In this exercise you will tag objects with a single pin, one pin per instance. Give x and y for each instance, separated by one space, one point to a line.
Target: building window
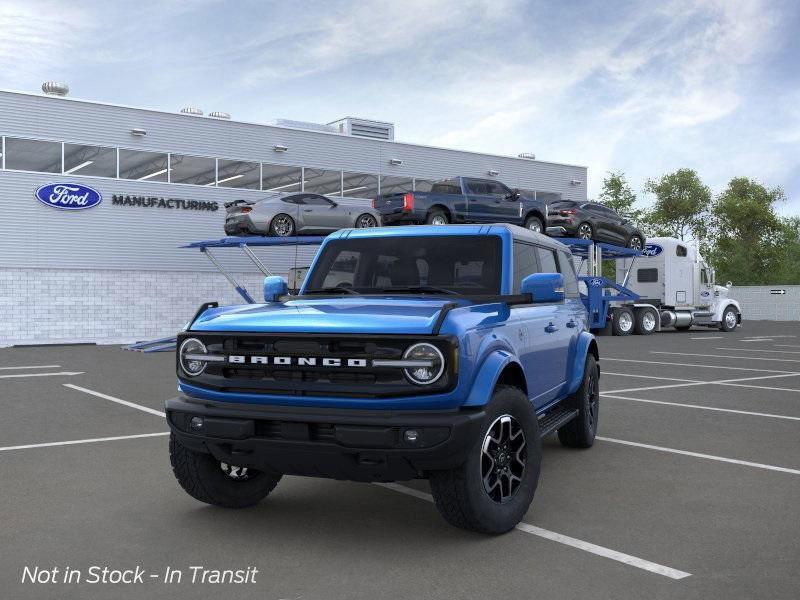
396 185
423 185
238 174
143 166
33 155
320 181
196 170
98 161
359 185
279 178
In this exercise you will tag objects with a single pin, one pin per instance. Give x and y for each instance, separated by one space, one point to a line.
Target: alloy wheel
730 319
625 321
234 472
503 458
594 401
438 220
648 321
635 243
365 221
282 226
585 231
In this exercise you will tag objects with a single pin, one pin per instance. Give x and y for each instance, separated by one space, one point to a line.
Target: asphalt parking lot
691 491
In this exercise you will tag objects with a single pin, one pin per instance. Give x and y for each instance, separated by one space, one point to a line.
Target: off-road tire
202 477
437 214
276 220
641 325
580 432
459 493
622 321
724 326
534 220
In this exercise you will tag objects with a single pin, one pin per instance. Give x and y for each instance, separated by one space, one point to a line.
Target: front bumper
351 444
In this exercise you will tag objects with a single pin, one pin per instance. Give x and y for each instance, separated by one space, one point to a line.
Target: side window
568 271
316 200
497 189
547 260
647 275
680 250
294 199
477 187
525 263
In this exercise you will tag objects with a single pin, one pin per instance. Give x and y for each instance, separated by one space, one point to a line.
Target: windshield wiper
430 289
334 290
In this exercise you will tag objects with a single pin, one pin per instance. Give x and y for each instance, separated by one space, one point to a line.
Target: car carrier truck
666 285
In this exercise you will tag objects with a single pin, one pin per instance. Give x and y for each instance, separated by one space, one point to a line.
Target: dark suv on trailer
593 221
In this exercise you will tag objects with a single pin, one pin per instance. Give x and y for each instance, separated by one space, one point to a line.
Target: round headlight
432 368
188 356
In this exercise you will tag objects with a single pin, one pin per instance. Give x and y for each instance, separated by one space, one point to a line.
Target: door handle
551 328
307 210
571 323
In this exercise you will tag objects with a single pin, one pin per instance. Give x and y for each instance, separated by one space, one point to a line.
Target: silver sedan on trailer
284 215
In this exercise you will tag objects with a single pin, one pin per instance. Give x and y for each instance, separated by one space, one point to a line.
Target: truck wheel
645 321
437 217
580 432
534 224
206 479
622 321
729 320
492 490
282 225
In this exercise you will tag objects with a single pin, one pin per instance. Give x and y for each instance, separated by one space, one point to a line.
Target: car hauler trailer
666 285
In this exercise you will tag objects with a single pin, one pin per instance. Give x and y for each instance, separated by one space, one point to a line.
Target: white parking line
759 350
756 340
674 364
86 441
627 559
146 409
31 367
692 382
787 346
700 455
713 408
708 337
20 375
604 373
727 356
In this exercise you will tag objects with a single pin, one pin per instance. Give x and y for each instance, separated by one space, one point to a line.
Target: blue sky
641 87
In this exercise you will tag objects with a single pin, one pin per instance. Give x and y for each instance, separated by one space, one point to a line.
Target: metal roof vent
219 115
375 130
53 88
191 110
527 155
303 125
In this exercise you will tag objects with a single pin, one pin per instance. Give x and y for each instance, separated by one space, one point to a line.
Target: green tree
751 244
681 206
618 195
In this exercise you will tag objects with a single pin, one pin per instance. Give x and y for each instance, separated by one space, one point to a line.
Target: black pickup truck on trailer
464 200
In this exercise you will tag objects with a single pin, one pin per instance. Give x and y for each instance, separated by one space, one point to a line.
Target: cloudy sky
642 87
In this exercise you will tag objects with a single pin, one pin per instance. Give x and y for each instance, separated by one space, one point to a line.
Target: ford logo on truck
652 250
68 196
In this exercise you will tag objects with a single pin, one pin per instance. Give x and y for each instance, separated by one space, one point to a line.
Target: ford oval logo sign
652 250
68 196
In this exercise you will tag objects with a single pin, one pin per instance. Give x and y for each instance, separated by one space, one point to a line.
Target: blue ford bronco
436 352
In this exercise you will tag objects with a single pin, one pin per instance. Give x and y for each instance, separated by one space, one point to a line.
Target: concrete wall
759 304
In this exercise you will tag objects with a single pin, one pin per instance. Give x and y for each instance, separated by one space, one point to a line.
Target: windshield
451 264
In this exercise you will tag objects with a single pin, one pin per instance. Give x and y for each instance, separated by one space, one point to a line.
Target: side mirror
334 204
274 288
514 195
544 287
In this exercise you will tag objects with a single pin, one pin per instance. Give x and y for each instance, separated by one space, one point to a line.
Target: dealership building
115 271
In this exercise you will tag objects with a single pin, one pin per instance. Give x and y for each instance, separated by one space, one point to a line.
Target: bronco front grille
315 379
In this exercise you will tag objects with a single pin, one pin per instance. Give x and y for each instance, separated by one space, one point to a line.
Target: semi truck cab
672 276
